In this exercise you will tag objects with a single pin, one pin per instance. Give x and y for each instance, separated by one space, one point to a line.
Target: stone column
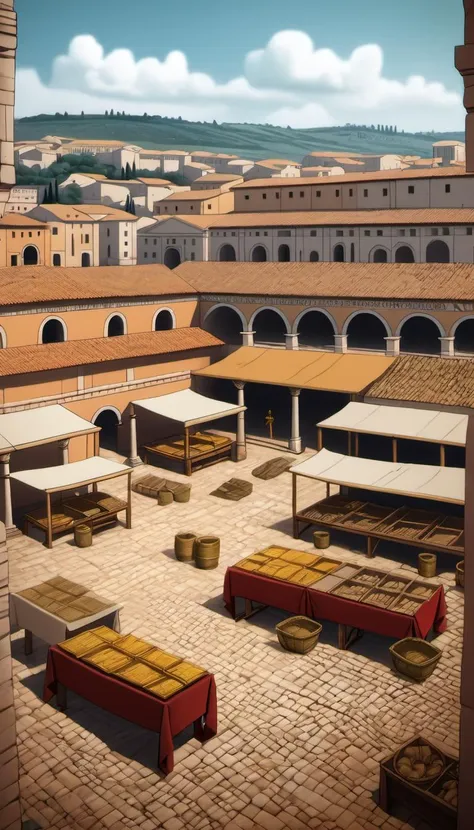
295 440
8 42
392 346
447 346
247 338
7 493
340 343
291 341
134 459
64 447
241 446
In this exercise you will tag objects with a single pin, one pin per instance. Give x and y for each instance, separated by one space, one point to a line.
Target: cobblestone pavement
299 737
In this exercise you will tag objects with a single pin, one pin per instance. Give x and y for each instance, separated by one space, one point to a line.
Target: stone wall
8 41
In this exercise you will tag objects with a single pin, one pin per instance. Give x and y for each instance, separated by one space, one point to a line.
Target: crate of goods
381 599
406 604
415 658
394 583
298 634
419 762
350 590
369 577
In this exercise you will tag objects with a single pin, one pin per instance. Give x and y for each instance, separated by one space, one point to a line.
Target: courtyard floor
299 738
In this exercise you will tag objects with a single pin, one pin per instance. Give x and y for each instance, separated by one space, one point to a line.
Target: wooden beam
129 500
96 443
394 449
442 455
320 439
356 442
187 460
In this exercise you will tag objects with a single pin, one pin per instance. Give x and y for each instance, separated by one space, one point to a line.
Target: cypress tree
127 203
50 193
134 170
56 191
123 173
128 171
132 206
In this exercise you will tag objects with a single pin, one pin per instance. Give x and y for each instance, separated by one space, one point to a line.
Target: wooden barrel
83 536
165 497
427 564
321 539
460 573
184 546
206 552
182 493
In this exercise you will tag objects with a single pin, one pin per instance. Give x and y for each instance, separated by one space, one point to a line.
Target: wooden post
96 443
95 487
294 505
356 442
394 449
49 531
349 443
187 460
328 489
320 439
129 500
442 455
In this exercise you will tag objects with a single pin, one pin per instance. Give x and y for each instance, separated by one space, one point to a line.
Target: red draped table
196 704
321 605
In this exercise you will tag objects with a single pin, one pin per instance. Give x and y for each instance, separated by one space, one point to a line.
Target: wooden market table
94 509
192 450
196 704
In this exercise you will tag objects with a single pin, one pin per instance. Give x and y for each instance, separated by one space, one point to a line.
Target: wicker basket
165 497
321 539
427 564
418 781
83 536
184 546
408 668
182 493
206 552
298 634
460 573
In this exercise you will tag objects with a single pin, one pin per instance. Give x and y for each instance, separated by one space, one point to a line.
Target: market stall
94 509
189 409
396 422
431 530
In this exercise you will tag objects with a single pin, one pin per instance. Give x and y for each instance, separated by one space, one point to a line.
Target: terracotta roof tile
442 381
219 177
197 195
25 359
20 221
152 181
419 281
348 178
42 283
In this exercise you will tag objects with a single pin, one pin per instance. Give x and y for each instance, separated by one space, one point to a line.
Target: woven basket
206 552
321 539
182 494
460 573
165 497
427 564
83 536
184 546
298 634
406 667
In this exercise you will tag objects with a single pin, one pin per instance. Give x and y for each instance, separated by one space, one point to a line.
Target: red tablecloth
168 717
320 605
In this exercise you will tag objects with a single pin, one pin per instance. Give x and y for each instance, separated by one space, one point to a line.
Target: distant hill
246 140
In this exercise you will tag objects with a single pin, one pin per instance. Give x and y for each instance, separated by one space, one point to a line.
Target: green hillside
246 140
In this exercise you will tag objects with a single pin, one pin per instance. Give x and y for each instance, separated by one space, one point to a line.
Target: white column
392 346
7 492
295 440
64 447
340 343
247 338
241 447
134 460
447 346
292 341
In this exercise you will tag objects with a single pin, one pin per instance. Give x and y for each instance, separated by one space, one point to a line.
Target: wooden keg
206 552
83 536
165 497
321 539
460 573
427 564
184 546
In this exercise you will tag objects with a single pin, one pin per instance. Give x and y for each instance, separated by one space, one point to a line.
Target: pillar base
240 453
392 347
11 531
447 346
295 445
340 343
291 341
248 338
134 461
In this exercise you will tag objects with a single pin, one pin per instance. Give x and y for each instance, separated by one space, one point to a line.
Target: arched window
226 324
269 327
464 337
56 259
338 254
30 255
115 326
283 253
437 251
421 335
164 320
366 331
259 254
315 330
53 331
380 255
172 258
404 254
227 253
314 256
85 259
108 420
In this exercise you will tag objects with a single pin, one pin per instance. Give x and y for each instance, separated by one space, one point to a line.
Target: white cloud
287 82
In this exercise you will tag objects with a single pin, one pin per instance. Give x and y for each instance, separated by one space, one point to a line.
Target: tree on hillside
56 191
72 195
128 171
111 113
65 115
127 203
122 173
106 113
134 170
82 113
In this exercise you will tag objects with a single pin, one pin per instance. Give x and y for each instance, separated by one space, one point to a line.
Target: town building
24 241
219 161
449 152
353 162
195 202
36 157
195 170
321 170
23 198
220 181
272 168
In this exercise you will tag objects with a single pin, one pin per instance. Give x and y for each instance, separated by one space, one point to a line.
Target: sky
306 63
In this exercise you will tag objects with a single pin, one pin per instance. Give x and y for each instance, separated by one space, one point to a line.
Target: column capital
392 346
239 384
294 392
340 343
292 341
64 443
447 346
5 459
247 338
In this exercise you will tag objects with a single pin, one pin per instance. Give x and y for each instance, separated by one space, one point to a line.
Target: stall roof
416 480
188 407
325 371
68 476
42 425
401 422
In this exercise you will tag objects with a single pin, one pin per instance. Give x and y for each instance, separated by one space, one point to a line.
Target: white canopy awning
418 480
188 408
19 430
68 476
401 422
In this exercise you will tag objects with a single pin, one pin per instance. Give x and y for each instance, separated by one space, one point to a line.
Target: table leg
28 641
341 636
347 636
370 547
61 697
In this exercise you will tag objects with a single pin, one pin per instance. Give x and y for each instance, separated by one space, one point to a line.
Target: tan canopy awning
188 407
324 371
42 425
69 476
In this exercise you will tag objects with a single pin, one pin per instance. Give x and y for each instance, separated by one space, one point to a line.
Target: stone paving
299 738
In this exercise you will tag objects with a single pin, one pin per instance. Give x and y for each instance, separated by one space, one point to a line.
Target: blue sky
415 37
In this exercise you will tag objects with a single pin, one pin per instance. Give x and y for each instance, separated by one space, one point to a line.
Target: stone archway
437 251
108 420
366 331
315 330
227 253
172 258
226 324
420 335
284 253
30 255
269 326
404 254
339 254
259 254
